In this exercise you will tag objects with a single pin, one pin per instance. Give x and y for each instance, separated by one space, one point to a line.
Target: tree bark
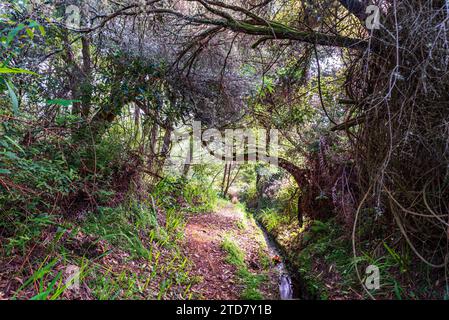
86 81
165 148
254 26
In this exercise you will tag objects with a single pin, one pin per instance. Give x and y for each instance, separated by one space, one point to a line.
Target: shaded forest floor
136 252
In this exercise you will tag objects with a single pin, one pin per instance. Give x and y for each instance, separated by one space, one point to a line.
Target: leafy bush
192 195
272 220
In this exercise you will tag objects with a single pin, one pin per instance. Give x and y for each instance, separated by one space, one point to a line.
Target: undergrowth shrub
193 195
39 176
130 224
272 220
33 178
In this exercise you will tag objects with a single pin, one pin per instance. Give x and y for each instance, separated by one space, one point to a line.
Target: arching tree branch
254 25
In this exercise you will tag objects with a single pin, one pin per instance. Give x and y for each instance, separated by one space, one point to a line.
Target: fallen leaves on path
216 277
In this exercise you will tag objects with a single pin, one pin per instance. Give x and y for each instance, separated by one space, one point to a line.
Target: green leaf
15 144
10 155
30 33
397 291
4 171
35 25
13 33
40 273
4 144
15 71
42 295
42 30
13 97
62 102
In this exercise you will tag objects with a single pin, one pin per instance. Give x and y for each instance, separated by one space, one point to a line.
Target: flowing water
288 286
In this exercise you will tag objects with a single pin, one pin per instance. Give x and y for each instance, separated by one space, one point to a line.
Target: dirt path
216 278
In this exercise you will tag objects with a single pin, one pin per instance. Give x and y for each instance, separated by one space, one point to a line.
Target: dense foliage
91 116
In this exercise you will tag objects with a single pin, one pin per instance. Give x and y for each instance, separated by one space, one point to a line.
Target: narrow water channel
288 286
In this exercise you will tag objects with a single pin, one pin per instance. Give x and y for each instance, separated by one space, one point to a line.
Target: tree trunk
86 80
224 179
165 149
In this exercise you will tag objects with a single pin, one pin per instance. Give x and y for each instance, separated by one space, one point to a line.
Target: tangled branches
402 142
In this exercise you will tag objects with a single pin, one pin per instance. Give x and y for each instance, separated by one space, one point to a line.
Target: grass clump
235 256
272 220
250 281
